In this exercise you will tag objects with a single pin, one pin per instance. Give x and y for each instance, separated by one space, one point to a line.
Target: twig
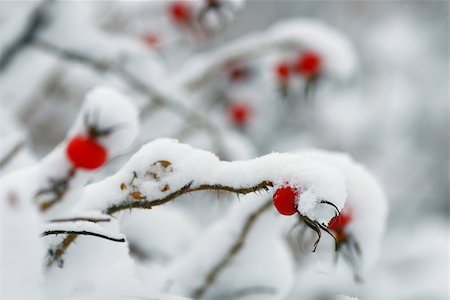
129 204
82 232
12 153
232 252
34 23
75 219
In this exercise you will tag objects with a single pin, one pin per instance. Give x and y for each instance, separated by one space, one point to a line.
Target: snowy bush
162 150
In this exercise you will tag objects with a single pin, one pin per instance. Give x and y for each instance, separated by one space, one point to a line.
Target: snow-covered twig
232 252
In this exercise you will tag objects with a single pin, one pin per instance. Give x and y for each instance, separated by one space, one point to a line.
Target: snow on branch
81 228
105 127
336 50
165 169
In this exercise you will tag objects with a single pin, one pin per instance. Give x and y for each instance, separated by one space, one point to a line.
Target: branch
129 204
75 219
11 153
34 22
232 252
82 232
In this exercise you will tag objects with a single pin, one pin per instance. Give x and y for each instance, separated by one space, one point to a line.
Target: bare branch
82 232
12 153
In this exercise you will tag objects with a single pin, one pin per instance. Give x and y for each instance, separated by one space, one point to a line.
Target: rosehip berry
180 11
238 73
309 64
282 71
86 153
339 223
151 40
239 113
284 200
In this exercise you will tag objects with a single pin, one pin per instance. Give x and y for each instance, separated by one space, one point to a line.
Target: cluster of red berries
307 64
86 153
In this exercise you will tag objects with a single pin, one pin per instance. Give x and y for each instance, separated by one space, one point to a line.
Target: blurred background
390 114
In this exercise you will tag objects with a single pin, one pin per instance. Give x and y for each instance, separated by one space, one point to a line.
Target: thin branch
232 252
129 204
11 153
82 232
34 22
61 249
75 219
58 189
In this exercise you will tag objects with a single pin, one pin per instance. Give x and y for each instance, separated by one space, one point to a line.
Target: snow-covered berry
282 71
285 200
309 64
180 11
239 113
86 153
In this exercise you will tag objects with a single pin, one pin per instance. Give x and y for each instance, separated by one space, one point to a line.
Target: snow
260 251
367 202
107 108
198 167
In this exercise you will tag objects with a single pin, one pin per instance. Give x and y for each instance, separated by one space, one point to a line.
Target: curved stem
82 232
232 252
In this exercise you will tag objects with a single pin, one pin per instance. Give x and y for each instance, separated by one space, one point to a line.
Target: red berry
309 64
238 73
284 200
180 11
239 113
339 223
282 71
151 40
86 153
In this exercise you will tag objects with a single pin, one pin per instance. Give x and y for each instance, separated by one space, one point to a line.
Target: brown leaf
137 195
